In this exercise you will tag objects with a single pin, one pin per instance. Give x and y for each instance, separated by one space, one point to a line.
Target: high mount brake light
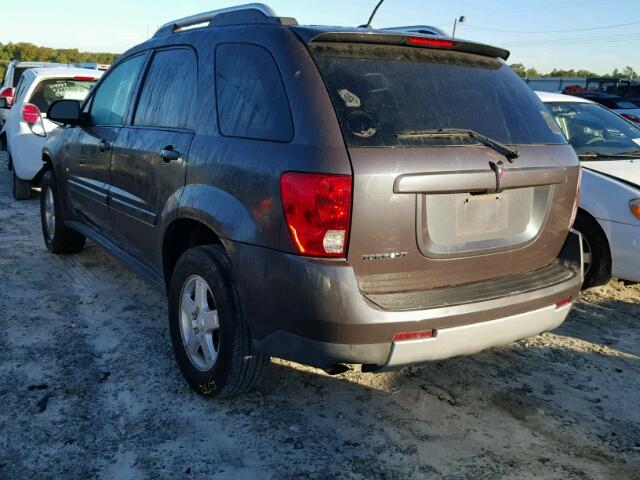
430 42
80 78
317 208
633 118
31 113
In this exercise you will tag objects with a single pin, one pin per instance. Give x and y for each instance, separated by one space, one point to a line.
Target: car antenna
373 14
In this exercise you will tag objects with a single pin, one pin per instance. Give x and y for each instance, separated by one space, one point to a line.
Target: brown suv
326 195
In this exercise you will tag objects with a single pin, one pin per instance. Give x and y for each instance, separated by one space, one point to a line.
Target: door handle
168 154
104 146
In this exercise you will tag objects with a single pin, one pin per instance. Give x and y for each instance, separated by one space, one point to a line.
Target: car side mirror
66 111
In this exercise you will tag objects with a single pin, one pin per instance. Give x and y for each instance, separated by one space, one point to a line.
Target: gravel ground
89 389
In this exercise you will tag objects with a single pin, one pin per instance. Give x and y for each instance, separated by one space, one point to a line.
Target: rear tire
57 236
596 250
21 188
209 334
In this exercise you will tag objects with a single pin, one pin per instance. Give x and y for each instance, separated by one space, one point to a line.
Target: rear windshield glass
386 95
51 90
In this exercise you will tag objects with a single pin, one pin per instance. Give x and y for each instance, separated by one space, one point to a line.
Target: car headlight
634 206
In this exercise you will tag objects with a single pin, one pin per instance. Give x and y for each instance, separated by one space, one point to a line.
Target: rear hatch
438 209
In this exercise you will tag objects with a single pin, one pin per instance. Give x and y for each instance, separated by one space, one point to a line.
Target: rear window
53 89
381 92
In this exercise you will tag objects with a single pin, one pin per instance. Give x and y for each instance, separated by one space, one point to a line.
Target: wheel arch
593 221
180 235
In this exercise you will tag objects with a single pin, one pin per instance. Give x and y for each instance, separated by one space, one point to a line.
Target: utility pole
462 19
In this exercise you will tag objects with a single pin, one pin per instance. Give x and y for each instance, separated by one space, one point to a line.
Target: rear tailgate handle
446 182
478 180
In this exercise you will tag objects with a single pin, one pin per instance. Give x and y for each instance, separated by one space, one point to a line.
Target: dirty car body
431 244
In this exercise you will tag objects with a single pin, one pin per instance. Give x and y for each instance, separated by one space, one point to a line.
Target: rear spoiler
313 35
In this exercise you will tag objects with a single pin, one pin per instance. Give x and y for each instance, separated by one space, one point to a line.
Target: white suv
27 126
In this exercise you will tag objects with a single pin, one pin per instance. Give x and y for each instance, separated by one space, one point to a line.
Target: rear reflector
563 302
30 113
430 42
317 208
84 79
403 337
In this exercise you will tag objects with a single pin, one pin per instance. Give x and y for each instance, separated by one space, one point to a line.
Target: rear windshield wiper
635 155
499 147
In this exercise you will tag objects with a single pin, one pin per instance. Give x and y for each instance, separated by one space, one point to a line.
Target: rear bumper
473 338
312 312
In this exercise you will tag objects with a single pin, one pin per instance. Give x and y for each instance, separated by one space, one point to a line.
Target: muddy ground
89 389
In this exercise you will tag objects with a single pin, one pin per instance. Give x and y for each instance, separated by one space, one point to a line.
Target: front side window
167 98
110 102
251 98
53 89
592 130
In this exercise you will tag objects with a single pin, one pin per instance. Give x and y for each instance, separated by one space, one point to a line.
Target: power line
603 27
577 42
569 40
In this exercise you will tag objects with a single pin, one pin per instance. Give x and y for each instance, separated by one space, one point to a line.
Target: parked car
609 213
302 192
618 104
9 83
28 127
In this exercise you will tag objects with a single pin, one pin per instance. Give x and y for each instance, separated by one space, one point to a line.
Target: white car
609 215
12 75
27 126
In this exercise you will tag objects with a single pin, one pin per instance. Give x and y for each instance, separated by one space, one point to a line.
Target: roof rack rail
238 15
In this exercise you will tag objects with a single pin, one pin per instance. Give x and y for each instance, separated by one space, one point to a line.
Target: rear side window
53 89
112 96
168 95
252 102
17 75
386 95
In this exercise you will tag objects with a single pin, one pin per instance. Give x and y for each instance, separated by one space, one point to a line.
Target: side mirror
66 111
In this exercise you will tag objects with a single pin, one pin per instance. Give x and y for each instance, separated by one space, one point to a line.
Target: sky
544 34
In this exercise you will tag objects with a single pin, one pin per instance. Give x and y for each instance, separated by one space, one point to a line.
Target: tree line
520 69
30 52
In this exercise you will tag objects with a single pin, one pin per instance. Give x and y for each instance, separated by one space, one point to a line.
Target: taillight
8 94
633 118
430 42
576 201
317 208
30 113
634 206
